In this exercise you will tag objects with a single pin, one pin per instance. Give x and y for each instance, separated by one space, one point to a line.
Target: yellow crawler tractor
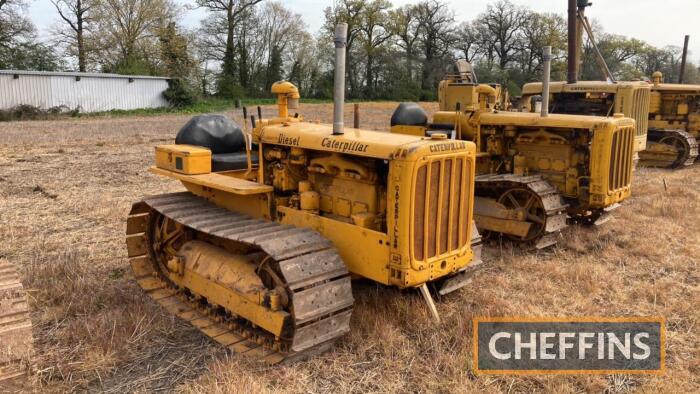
15 331
663 113
595 98
260 250
533 170
674 124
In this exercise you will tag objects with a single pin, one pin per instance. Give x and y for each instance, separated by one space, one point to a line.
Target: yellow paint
547 153
631 98
184 159
254 205
217 181
286 93
359 190
228 280
506 226
354 142
418 131
363 250
526 143
671 108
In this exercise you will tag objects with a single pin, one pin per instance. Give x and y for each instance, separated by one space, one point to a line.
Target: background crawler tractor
259 252
667 116
674 124
532 169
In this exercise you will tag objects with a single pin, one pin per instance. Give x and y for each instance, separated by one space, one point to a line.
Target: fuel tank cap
438 136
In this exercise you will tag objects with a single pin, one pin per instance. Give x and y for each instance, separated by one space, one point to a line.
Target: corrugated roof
77 74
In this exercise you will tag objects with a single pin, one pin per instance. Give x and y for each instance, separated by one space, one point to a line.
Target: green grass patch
202 106
207 105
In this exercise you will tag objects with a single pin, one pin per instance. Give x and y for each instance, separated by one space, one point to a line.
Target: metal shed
89 92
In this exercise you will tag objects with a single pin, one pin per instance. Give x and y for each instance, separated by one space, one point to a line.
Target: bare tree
404 25
504 22
279 27
468 41
538 31
128 31
14 25
436 23
228 15
374 33
305 65
76 14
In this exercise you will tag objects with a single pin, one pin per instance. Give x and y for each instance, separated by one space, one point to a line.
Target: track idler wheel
225 281
528 202
670 149
680 145
270 292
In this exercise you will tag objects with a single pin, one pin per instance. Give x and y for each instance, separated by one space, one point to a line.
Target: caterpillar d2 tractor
664 119
532 170
591 98
16 342
596 98
674 124
260 250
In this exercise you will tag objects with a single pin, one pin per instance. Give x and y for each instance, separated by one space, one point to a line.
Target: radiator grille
621 159
441 207
640 110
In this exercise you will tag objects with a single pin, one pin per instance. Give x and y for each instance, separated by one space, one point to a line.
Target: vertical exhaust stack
341 38
573 51
684 59
547 57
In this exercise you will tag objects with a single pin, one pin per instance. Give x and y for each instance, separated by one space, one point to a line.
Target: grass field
66 187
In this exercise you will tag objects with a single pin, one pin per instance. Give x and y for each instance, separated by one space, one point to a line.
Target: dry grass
66 187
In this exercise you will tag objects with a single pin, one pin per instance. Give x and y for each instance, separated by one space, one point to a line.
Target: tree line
243 46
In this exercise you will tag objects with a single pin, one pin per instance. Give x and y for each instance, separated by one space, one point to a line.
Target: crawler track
683 143
315 276
552 208
15 330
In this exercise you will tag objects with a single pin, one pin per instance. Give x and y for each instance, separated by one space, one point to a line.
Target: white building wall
92 93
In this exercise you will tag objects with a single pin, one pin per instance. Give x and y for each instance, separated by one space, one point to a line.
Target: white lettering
531 346
614 342
583 344
563 344
544 346
601 346
492 346
638 343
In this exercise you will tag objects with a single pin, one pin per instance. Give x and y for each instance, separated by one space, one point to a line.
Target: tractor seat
223 137
231 161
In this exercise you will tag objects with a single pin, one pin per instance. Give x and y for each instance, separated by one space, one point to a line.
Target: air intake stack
547 70
341 36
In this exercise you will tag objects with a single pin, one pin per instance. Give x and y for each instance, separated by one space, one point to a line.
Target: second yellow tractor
533 170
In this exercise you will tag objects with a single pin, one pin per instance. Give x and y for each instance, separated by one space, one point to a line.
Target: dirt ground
66 187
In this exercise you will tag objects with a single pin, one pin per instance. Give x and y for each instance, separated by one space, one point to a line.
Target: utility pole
684 59
572 59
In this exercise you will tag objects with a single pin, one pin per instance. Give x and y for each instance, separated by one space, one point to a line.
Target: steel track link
692 149
16 341
311 266
552 201
690 145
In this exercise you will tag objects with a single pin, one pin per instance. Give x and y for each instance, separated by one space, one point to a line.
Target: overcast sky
634 18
